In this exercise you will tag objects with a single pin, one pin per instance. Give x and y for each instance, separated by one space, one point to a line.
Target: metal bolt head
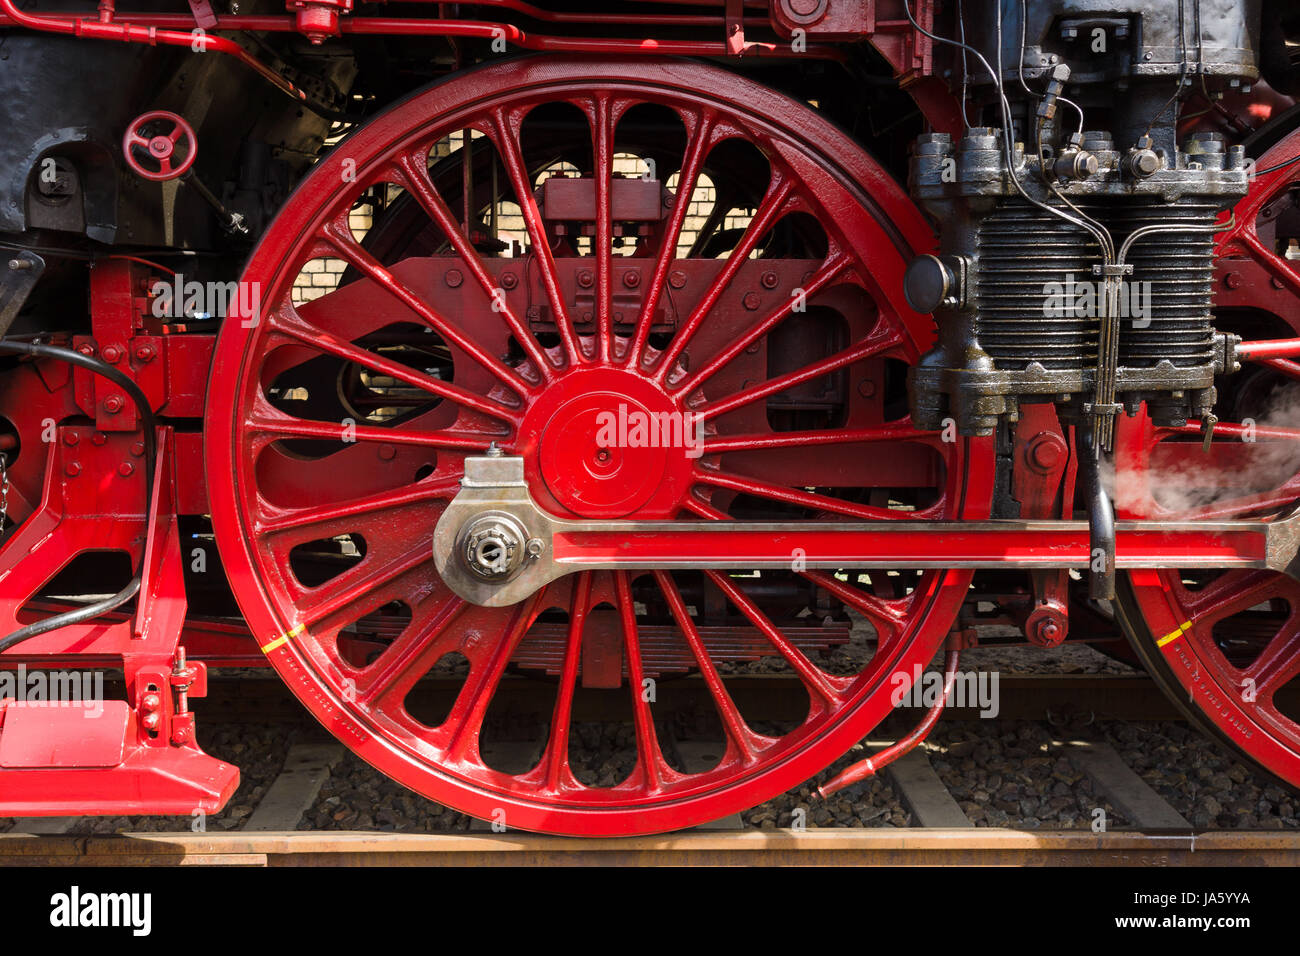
509 280
752 301
126 469
453 278
586 279
145 353
677 278
769 280
114 404
112 354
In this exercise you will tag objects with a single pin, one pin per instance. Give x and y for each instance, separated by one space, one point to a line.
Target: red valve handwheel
159 148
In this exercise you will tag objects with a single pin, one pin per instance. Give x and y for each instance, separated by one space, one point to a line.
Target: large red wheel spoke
650 757
773 204
830 270
358 587
1278 663
875 344
558 773
340 238
806 499
503 130
413 172
888 617
700 139
746 743
286 426
1278 267
288 321
466 717
825 689
602 117
1230 593
347 512
391 676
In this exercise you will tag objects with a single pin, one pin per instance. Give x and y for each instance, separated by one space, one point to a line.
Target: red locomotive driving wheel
555 240
1228 643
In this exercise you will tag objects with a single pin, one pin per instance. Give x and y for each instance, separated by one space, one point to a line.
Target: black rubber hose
148 422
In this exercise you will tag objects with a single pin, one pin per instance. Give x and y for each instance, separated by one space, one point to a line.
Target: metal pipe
1101 520
104 27
872 765
165 29
1268 348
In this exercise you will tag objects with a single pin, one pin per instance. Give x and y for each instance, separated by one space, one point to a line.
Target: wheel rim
540 402
1229 642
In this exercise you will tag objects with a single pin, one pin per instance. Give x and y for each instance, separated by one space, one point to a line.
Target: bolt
1232 280
126 469
769 280
453 278
1275 282
535 547
20 265
677 278
145 353
86 349
114 404
1049 632
1045 453
509 280
112 354
866 388
71 438
150 701
72 469
150 721
631 279
98 438
387 452
585 279
137 449
752 301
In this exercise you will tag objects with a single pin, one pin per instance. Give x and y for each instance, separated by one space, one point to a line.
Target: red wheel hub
337 430
609 444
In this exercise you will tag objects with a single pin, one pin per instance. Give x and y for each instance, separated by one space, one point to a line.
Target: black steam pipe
1101 518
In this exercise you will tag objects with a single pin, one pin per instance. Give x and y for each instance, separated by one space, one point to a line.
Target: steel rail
813 847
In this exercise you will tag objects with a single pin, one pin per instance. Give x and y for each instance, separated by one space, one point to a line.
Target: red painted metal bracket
93 756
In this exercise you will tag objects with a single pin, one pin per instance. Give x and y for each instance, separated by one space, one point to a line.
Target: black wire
1281 165
148 423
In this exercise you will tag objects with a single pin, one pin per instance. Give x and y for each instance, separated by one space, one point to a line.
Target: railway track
1136 825
905 847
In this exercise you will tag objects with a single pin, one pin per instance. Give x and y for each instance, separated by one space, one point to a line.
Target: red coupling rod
872 765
